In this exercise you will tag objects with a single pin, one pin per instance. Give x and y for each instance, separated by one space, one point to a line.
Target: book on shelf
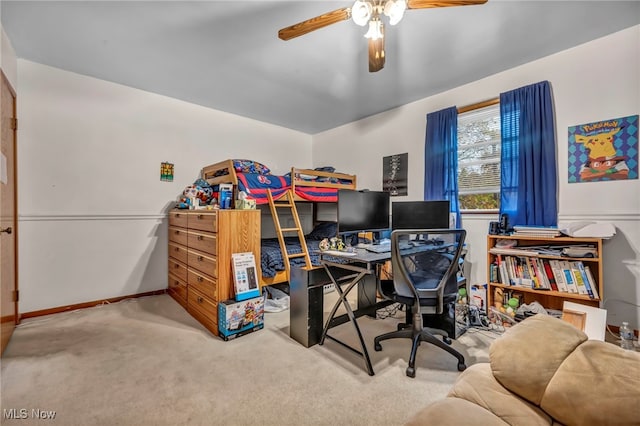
579 279
558 275
585 278
504 276
549 273
568 277
592 282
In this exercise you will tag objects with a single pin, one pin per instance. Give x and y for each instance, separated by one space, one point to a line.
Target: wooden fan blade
316 23
376 54
426 4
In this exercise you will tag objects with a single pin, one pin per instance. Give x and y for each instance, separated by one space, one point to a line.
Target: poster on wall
394 174
604 150
166 172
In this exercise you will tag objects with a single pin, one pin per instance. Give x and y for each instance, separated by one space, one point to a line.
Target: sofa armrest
455 411
478 386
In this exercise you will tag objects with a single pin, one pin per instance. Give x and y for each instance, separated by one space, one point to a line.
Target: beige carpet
147 362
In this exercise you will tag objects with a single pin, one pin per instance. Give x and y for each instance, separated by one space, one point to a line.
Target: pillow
326 169
249 166
323 230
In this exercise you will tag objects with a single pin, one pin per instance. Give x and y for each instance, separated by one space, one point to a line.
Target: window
479 159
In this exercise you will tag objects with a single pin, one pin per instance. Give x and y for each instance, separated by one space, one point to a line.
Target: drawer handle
200 217
176 232
176 266
177 249
200 279
200 258
200 238
200 299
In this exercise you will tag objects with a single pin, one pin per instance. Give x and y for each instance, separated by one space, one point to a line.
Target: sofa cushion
598 384
527 356
454 411
478 386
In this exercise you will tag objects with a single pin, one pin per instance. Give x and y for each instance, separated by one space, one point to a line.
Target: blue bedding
271 256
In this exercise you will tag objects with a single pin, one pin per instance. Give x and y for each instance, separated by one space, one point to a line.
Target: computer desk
361 264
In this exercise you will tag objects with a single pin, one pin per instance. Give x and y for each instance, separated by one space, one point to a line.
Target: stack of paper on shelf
588 229
536 231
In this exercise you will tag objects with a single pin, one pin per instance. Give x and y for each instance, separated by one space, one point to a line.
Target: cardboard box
246 204
236 319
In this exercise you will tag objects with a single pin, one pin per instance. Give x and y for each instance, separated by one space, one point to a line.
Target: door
8 216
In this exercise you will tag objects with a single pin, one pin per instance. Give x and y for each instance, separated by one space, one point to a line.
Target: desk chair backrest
425 265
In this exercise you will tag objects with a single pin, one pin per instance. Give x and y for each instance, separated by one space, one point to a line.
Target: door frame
14 178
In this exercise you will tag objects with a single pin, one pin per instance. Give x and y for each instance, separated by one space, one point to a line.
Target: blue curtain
528 159
441 159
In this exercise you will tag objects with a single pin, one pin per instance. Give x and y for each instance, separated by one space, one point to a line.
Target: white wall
91 204
8 61
595 81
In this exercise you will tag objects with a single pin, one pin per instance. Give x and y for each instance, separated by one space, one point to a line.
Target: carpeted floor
148 362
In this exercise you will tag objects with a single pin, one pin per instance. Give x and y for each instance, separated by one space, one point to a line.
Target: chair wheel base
411 372
461 366
377 347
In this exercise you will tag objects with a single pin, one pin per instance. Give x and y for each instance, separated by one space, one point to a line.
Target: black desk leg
352 318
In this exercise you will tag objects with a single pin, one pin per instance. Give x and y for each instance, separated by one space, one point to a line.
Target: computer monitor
360 211
420 214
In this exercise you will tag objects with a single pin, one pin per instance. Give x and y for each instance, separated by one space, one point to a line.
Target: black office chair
425 278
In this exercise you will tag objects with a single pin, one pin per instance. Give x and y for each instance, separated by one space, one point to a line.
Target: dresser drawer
178 218
203 309
204 221
178 235
178 269
204 284
202 241
203 262
178 290
178 252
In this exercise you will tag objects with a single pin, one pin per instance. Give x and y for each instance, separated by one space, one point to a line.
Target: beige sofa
543 371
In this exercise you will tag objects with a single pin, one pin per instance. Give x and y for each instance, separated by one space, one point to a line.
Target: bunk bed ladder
286 201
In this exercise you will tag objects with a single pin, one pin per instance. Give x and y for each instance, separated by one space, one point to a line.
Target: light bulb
394 10
375 30
361 12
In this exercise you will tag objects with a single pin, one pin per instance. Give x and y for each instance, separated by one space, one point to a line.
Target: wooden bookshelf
550 299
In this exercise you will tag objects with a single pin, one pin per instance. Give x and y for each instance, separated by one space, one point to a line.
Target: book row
564 276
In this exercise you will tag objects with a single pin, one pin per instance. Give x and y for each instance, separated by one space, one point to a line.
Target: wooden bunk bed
300 185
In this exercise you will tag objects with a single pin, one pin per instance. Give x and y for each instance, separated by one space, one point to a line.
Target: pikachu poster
604 150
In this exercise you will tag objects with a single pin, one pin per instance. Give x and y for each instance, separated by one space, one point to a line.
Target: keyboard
379 248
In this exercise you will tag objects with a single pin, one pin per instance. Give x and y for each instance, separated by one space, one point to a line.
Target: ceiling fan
365 12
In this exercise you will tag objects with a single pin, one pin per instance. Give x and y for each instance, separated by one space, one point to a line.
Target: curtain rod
478 105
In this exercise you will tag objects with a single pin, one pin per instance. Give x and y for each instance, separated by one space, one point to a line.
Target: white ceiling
226 54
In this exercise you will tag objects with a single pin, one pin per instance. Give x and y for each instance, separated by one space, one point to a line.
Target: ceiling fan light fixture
394 10
375 30
361 12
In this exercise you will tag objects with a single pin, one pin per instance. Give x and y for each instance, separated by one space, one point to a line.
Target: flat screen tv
420 215
360 211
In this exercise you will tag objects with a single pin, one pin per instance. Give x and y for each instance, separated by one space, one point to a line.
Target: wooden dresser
201 243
